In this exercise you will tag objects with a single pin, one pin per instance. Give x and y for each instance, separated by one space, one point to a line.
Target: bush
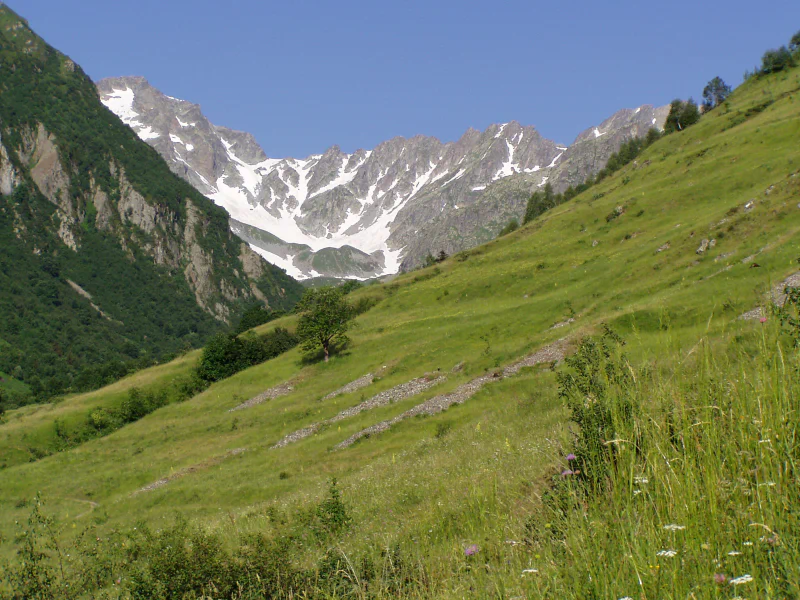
512 226
226 354
681 115
595 392
774 61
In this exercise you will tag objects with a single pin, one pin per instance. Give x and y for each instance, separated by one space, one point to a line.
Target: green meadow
702 466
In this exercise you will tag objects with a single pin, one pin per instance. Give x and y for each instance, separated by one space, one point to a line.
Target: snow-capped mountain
372 212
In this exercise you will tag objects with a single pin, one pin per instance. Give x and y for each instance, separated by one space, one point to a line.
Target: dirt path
395 394
92 505
462 393
189 470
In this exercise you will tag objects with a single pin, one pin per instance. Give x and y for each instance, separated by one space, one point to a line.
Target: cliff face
106 254
57 136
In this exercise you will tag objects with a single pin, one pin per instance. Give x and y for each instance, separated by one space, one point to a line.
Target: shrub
774 61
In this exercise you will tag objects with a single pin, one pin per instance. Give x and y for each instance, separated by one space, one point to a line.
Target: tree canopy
715 93
325 317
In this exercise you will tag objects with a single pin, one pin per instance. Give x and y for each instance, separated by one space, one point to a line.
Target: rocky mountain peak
389 206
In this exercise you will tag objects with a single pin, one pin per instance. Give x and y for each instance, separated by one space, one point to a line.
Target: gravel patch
462 393
777 296
188 470
359 383
395 394
270 394
548 354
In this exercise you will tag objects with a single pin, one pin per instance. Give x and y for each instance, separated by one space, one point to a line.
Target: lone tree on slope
715 93
324 320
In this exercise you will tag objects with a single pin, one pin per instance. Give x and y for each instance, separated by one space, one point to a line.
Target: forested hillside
107 257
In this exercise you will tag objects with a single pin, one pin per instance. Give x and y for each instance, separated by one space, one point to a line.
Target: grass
476 474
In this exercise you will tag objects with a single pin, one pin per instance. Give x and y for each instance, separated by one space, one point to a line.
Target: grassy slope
486 308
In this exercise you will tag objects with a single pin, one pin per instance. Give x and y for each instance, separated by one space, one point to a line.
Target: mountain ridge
394 203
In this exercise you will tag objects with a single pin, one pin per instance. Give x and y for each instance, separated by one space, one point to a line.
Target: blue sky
302 76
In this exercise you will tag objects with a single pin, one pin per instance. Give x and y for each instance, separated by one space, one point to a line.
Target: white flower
666 553
640 480
637 492
674 527
734 553
742 579
626 598
530 571
748 544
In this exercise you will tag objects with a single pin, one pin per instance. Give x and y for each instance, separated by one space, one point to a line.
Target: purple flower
763 319
570 456
720 578
566 472
471 549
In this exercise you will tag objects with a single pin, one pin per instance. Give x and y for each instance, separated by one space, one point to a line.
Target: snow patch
597 133
287 264
478 188
553 164
500 132
454 177
175 139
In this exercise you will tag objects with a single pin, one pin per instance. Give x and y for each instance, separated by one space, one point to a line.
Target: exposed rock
663 247
395 394
462 393
703 246
189 470
383 209
9 176
270 394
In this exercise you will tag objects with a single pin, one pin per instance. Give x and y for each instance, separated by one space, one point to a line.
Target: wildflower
763 320
626 598
748 544
637 492
666 553
640 480
720 578
471 549
734 553
567 472
571 456
674 527
741 579
524 571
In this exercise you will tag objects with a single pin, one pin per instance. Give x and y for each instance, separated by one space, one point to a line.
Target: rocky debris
460 366
548 354
724 256
704 245
270 394
88 296
594 243
430 407
663 247
462 393
390 396
751 315
750 205
188 470
777 296
563 323
359 383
